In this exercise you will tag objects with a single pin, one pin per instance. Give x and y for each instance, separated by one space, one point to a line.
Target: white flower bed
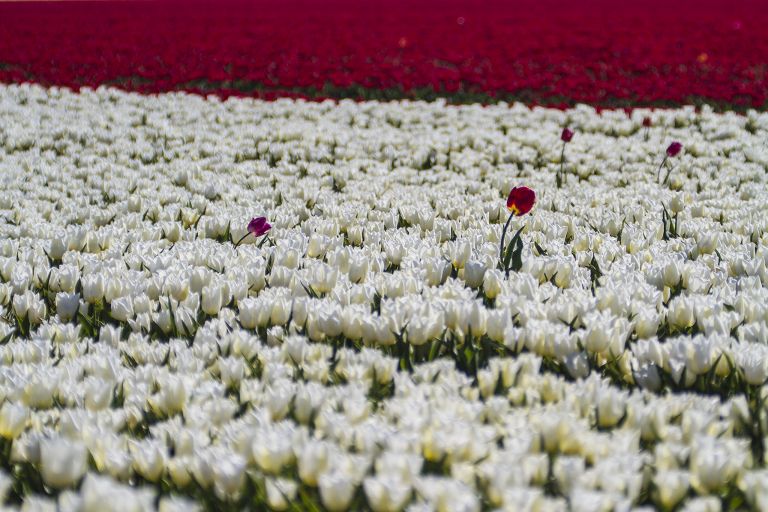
371 354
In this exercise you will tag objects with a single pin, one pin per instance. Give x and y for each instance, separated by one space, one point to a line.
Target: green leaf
511 248
434 350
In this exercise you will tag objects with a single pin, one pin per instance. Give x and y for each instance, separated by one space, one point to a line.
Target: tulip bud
674 148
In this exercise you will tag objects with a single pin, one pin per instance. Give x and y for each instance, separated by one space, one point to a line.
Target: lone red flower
567 135
647 123
259 226
520 200
674 149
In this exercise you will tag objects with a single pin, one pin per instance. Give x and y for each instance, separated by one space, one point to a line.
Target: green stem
503 235
241 239
562 162
658 173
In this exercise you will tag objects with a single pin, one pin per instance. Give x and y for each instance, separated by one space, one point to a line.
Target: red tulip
259 226
647 123
674 149
520 200
567 135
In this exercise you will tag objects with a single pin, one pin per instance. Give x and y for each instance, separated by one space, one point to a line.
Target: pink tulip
259 226
674 149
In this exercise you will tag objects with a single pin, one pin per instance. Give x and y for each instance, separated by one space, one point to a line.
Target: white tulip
22 304
102 493
63 462
148 460
312 461
386 493
177 504
67 305
681 314
336 490
474 273
229 476
121 309
212 300
13 419
280 492
93 288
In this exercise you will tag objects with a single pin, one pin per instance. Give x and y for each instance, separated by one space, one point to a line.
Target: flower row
593 52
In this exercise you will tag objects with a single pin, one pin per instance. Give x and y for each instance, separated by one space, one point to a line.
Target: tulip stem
241 239
658 173
666 177
562 163
503 235
237 244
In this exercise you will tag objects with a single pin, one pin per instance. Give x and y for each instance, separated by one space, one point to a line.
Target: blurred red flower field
605 53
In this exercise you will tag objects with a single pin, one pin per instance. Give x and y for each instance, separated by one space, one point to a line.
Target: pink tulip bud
674 149
259 226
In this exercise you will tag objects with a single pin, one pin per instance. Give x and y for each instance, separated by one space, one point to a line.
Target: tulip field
366 347
400 265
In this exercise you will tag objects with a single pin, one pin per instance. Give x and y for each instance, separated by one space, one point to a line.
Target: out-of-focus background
606 53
